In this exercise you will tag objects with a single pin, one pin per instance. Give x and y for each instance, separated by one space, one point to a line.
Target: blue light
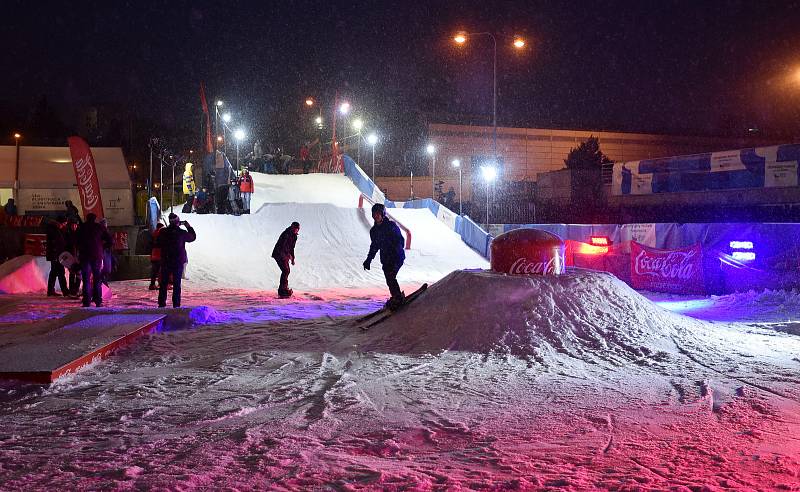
743 255
741 244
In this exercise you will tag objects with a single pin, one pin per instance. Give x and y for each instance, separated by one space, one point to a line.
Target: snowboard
67 260
372 319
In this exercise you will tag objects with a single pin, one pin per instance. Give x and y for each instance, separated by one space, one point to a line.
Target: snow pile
334 240
584 314
24 275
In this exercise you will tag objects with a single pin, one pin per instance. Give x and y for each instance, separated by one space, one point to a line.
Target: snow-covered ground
485 382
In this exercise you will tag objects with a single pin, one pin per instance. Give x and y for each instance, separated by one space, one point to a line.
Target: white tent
46 180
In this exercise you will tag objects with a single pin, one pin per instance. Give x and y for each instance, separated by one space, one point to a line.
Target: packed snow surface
332 245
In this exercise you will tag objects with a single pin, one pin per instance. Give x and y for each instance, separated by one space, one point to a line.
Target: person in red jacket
246 188
155 257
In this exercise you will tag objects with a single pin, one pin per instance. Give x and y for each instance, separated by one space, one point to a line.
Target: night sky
677 67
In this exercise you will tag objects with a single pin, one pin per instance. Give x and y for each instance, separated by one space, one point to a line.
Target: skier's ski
380 315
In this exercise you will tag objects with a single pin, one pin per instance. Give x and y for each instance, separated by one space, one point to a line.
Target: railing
362 198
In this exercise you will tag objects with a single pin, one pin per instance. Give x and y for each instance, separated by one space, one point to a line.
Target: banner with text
86 176
678 271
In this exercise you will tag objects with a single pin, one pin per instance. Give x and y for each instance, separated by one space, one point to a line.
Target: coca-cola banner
678 271
86 176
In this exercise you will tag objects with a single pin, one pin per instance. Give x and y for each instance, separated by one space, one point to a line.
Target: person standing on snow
172 241
155 257
189 188
56 244
283 252
386 238
92 241
246 188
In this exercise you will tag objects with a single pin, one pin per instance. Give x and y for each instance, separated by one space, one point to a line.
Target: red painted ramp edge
47 377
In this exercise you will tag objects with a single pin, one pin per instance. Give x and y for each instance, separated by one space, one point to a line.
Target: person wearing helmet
385 237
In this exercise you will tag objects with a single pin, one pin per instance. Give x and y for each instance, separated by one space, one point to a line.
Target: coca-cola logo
522 266
84 170
673 265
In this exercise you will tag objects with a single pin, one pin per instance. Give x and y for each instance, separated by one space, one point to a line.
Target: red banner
208 143
86 176
678 271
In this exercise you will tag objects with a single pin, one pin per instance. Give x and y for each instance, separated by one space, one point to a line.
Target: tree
587 155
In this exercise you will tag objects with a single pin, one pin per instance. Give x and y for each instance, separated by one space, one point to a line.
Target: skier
283 252
386 238
92 239
172 241
246 189
189 188
56 244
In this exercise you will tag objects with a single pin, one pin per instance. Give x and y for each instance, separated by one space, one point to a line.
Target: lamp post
489 175
457 165
372 139
239 136
358 124
519 43
17 136
226 118
217 105
432 152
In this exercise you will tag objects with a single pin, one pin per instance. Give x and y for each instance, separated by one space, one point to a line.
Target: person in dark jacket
283 252
72 211
56 244
10 208
385 237
71 235
155 257
93 239
172 242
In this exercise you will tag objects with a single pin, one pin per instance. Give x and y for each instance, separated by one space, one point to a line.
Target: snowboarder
172 241
246 189
386 238
56 244
92 240
283 252
189 188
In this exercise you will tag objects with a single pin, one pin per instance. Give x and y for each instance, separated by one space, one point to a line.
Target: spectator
56 244
201 202
172 241
155 257
108 255
246 188
71 235
189 188
10 208
92 241
72 211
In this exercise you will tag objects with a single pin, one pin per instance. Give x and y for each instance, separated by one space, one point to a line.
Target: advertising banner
679 271
86 176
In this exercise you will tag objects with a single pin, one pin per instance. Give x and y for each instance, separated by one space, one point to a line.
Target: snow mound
587 315
24 275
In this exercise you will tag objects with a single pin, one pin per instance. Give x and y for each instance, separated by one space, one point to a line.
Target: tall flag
86 176
209 143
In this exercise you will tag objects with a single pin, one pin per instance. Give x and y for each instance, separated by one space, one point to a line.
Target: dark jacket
56 241
72 213
172 241
387 239
91 241
284 248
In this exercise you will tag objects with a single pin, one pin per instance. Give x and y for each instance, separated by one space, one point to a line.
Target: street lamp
489 175
457 165
372 139
309 102
357 125
17 136
344 108
518 43
239 136
432 152
226 117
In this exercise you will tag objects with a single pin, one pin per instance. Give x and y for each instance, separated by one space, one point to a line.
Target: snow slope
236 252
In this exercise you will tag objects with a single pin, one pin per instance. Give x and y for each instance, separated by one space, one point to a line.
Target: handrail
363 197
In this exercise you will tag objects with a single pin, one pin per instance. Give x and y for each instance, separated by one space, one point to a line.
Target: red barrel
528 252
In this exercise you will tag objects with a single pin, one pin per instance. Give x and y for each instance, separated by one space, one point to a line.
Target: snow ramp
235 252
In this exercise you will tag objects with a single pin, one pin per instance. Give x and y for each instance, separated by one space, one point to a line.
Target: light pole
432 152
519 43
372 139
217 105
457 165
226 118
17 136
489 175
357 125
239 136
